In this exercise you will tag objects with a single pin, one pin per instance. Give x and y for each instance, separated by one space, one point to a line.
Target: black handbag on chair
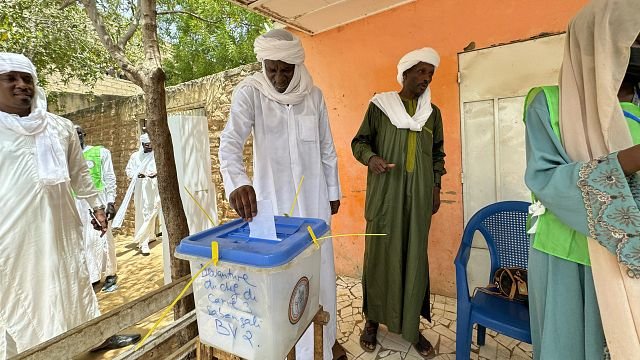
509 283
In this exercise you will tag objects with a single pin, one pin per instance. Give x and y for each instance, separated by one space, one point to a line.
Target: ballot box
263 294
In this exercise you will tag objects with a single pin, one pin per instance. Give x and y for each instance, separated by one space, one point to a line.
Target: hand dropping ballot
263 226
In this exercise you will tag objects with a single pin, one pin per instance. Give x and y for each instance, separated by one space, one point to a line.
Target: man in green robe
401 142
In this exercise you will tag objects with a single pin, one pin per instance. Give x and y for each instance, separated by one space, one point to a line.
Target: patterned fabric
612 202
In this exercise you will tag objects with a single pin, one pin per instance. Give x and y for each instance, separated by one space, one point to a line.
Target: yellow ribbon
315 239
295 198
164 314
200 206
214 260
214 253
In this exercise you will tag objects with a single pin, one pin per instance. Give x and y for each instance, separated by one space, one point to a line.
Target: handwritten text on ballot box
257 304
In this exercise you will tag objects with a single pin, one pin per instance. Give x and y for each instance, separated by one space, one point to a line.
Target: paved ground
141 274
441 332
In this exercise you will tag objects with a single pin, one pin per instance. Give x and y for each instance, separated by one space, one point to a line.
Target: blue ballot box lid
235 245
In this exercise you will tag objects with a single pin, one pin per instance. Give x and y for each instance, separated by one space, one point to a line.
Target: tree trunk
174 217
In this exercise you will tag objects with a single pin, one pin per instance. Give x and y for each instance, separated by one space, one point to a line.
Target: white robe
146 197
99 251
289 141
44 283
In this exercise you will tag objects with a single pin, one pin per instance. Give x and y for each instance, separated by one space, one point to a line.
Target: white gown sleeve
232 140
328 155
131 166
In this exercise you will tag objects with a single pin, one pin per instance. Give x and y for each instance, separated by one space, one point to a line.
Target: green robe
399 203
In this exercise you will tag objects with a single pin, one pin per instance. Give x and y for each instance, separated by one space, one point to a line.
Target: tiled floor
441 332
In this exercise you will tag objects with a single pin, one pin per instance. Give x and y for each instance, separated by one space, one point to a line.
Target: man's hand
111 211
335 205
436 199
243 201
101 223
379 165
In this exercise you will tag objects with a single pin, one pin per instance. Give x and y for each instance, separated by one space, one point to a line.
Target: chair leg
463 337
482 332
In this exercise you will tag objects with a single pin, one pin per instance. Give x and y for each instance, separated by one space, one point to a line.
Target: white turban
279 44
425 55
144 138
51 157
17 62
390 102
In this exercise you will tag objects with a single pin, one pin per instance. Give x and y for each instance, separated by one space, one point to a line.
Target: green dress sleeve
438 148
550 174
362 144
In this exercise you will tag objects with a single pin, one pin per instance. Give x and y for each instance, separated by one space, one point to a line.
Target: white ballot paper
263 226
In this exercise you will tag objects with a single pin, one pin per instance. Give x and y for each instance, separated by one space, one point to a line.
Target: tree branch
132 27
113 49
150 36
182 12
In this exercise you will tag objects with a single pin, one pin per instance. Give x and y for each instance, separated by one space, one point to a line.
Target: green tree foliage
219 37
198 37
60 42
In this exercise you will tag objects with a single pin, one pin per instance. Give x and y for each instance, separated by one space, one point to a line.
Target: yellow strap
345 235
168 309
200 206
313 237
215 256
295 198
214 260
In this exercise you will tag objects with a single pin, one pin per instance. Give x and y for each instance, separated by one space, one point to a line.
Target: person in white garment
100 249
141 168
291 139
44 286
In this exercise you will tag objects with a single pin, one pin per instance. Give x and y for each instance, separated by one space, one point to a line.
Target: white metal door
493 85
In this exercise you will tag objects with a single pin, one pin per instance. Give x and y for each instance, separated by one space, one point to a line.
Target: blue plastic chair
503 226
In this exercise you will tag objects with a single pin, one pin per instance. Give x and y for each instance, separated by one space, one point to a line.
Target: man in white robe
141 168
291 139
100 250
44 283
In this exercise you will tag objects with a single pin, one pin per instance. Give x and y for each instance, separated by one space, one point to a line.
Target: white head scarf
144 139
390 102
595 60
279 44
51 157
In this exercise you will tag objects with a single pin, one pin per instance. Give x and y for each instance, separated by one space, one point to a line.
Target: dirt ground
137 275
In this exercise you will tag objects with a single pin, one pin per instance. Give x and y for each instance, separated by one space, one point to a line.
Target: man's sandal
339 353
424 347
369 337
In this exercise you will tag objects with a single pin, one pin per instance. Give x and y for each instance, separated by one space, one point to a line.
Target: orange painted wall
352 62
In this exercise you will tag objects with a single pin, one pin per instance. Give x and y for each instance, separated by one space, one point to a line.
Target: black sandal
339 353
424 347
369 336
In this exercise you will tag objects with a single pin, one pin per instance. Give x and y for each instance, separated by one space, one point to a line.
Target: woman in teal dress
584 263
